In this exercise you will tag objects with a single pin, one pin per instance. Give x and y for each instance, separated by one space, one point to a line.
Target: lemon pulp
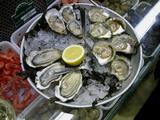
73 55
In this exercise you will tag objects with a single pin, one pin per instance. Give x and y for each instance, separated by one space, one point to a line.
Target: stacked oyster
63 20
111 45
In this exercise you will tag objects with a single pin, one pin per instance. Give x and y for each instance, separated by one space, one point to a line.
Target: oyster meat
97 15
116 25
69 86
67 13
121 67
45 77
98 30
124 43
55 22
43 58
75 28
104 52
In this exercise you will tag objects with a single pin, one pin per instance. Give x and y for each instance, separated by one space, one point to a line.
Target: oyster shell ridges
124 43
104 52
116 26
97 15
75 28
121 67
67 13
98 30
45 77
55 21
43 58
69 86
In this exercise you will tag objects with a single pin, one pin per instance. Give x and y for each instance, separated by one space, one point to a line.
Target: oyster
98 30
43 58
55 22
121 67
75 28
116 25
103 52
69 86
97 15
45 77
124 43
67 13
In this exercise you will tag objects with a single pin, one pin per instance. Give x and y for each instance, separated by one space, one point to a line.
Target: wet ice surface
94 91
44 40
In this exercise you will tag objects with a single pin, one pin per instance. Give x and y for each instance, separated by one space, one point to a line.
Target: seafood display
79 58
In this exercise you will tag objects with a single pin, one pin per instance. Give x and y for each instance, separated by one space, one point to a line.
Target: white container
17 36
5 45
41 104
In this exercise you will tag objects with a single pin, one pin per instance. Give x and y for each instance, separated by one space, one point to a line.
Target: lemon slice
73 55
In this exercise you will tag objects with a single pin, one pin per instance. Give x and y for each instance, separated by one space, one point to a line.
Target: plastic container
18 97
133 3
5 45
136 14
42 109
17 36
143 8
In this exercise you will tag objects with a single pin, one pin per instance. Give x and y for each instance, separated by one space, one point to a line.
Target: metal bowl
136 60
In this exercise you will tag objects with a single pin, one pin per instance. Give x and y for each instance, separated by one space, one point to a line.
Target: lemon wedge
73 55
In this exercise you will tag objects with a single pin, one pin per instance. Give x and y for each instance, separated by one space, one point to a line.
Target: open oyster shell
69 86
55 22
116 25
43 58
67 13
97 15
75 28
124 43
104 52
98 30
121 67
45 77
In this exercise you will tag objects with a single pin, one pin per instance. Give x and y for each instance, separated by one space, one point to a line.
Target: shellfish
67 13
97 15
43 58
55 22
45 77
124 43
121 67
75 28
116 25
69 86
98 30
104 52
